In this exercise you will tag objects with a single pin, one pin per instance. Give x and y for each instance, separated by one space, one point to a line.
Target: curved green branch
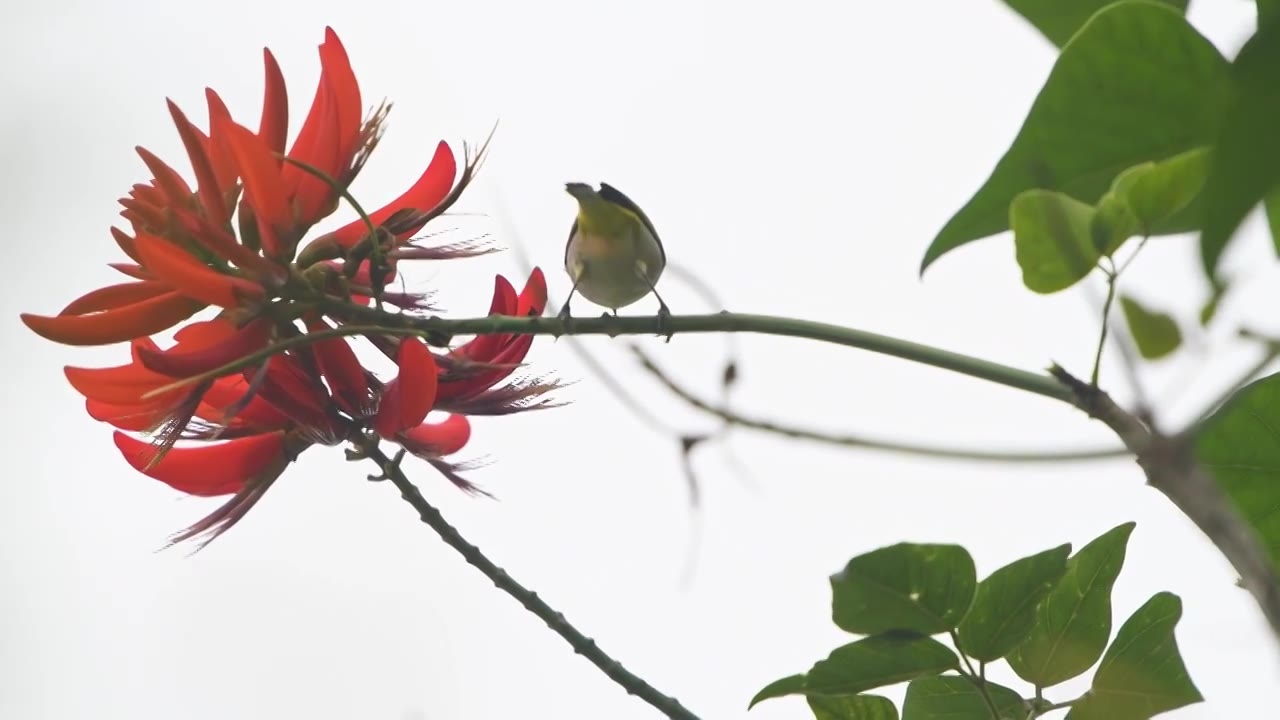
581 644
439 331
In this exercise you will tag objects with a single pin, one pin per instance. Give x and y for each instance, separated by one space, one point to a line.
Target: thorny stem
555 620
1170 466
439 331
849 440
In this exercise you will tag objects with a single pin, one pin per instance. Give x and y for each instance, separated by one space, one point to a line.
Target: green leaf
877 661
1271 203
923 589
789 685
1113 222
1217 290
1155 333
952 697
1245 166
1053 236
852 707
1058 20
1157 192
1138 83
1268 12
1073 622
1142 674
1004 607
1240 445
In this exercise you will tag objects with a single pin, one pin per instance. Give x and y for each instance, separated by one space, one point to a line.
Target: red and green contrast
234 250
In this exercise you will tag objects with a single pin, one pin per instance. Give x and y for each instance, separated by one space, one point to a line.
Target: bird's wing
615 196
572 231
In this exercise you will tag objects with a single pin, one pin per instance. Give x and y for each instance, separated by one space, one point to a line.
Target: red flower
226 408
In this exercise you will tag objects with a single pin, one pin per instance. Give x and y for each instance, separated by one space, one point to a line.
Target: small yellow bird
613 255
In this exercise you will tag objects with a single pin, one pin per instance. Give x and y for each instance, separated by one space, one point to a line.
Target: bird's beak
579 190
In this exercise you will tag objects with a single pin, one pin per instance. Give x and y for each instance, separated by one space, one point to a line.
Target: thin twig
555 620
849 440
1123 344
1106 317
1170 466
1270 354
973 677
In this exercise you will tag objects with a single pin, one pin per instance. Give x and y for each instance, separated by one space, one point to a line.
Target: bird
613 256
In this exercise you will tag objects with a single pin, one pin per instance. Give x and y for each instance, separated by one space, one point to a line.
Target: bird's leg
664 312
565 316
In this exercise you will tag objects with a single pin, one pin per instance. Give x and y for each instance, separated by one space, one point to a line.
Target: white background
799 156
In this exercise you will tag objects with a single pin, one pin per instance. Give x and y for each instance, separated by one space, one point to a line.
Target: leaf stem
555 620
974 677
1112 277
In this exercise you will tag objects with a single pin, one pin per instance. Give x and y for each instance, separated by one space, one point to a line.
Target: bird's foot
566 321
613 326
664 321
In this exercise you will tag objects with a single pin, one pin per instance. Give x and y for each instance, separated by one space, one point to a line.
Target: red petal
294 392
228 392
437 439
176 191
432 187
345 92
173 265
138 418
263 188
208 470
533 299
274 126
407 399
484 347
126 322
215 207
119 385
192 358
341 369
143 215
327 140
220 154
134 271
125 242
113 296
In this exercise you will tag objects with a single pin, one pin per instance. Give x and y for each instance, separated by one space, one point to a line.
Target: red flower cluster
232 244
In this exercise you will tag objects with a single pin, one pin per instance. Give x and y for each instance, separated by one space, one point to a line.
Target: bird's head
581 191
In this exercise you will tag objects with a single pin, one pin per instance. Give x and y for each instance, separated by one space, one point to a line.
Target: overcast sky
799 156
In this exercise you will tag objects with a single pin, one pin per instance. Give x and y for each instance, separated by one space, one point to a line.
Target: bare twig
580 643
1170 467
863 442
1271 351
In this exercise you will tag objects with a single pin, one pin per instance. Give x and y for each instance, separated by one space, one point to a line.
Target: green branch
581 644
439 331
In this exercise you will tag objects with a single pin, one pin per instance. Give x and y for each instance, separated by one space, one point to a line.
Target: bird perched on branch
613 255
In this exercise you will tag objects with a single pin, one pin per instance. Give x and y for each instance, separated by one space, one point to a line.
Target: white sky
800 156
